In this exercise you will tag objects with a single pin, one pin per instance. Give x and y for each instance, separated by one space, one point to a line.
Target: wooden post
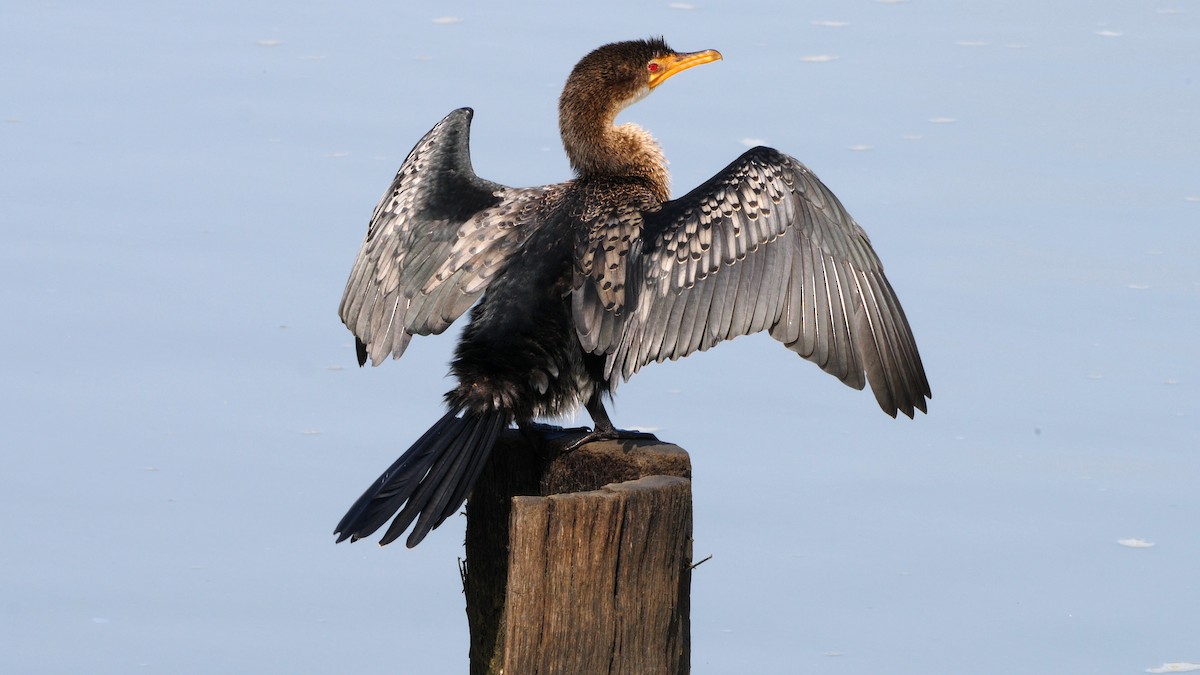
580 562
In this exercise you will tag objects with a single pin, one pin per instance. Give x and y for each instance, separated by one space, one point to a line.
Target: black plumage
577 285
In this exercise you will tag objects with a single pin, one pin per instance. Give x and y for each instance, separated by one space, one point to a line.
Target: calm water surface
185 188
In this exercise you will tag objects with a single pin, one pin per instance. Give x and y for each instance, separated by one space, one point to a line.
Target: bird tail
434 477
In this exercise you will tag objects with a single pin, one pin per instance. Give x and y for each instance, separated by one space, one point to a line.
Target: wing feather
437 237
763 245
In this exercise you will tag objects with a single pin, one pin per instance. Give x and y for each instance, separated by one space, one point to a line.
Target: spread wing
437 237
763 245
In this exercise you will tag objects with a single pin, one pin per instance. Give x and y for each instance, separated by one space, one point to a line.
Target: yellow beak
677 63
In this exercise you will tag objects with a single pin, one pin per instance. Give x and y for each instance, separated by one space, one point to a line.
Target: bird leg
600 421
603 429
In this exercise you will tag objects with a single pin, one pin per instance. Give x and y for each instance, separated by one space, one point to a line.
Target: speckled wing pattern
763 245
609 257
437 237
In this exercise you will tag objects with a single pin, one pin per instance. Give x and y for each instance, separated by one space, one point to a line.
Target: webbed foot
609 434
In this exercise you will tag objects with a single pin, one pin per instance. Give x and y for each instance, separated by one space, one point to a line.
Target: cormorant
584 282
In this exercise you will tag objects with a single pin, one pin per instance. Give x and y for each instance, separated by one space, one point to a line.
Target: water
185 188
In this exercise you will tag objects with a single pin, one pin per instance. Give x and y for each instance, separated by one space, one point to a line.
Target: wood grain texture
591 581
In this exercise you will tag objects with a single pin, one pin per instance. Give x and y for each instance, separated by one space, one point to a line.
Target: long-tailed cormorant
579 284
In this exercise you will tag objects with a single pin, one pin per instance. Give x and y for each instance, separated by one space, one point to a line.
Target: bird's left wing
763 245
438 236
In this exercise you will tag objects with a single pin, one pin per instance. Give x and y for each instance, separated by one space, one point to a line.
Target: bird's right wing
763 245
438 236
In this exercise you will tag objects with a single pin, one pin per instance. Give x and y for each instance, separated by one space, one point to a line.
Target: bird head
619 74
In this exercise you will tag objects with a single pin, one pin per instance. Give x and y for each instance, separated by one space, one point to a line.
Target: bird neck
599 148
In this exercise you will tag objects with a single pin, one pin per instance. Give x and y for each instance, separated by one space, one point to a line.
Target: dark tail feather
397 484
434 477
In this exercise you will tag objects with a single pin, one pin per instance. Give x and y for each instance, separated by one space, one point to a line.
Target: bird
574 287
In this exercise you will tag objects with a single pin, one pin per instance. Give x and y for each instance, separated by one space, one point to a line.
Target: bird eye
653 66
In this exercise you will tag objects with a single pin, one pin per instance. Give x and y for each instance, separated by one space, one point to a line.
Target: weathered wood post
580 562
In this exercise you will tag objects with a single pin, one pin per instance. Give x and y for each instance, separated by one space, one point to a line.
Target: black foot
533 428
536 432
544 439
609 434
